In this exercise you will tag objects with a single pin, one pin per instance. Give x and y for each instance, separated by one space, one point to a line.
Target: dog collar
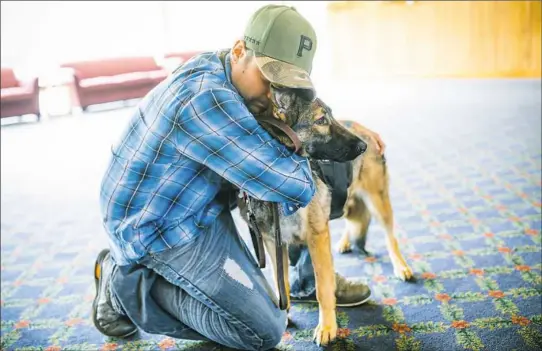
285 128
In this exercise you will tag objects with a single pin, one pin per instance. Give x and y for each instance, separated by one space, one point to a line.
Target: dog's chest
291 227
294 228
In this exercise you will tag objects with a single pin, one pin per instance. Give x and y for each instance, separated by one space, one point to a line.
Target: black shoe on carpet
106 319
348 293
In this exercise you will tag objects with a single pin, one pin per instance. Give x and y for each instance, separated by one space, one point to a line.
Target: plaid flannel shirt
188 139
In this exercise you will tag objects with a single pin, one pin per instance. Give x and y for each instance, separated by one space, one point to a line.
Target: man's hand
375 137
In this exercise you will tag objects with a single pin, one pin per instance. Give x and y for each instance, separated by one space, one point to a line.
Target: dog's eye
321 121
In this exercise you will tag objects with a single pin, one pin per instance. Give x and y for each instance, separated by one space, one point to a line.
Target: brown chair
114 79
18 97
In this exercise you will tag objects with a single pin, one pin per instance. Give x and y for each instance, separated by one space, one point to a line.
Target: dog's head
321 136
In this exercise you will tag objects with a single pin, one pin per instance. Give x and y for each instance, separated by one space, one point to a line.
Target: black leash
255 234
280 248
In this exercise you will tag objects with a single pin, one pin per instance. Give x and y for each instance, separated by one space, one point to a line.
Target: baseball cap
284 43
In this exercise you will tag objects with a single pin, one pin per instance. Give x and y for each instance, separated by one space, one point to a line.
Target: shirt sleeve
215 128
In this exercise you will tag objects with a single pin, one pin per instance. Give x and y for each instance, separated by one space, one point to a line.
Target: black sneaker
348 293
106 319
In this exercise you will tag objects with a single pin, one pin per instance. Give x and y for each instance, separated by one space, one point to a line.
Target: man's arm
216 129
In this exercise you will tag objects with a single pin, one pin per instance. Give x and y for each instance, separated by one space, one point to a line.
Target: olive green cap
284 43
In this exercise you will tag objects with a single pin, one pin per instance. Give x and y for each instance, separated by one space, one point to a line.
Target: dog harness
338 177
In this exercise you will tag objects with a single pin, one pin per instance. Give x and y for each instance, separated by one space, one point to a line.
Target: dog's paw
403 272
324 334
344 246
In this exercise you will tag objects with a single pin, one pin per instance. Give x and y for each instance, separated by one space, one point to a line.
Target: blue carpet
465 168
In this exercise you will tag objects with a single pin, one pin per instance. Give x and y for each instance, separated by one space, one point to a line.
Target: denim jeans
209 289
302 279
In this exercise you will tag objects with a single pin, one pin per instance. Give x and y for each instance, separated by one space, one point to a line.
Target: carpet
465 169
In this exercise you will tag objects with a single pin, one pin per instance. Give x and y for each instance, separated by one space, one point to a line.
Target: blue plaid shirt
187 139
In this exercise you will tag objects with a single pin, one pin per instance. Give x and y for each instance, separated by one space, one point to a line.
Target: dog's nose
361 147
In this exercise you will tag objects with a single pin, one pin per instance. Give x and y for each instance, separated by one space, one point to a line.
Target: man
177 265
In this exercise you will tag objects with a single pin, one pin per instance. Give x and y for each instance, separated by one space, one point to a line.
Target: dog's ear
283 97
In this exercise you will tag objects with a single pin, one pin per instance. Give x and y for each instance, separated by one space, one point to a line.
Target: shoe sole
353 304
98 285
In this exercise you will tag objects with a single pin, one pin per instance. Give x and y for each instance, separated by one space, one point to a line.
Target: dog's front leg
320 250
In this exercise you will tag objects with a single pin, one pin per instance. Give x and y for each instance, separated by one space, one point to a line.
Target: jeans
302 279
209 289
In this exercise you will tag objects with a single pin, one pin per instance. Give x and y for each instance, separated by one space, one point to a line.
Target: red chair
17 97
114 79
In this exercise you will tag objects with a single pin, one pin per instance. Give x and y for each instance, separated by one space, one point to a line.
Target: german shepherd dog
324 138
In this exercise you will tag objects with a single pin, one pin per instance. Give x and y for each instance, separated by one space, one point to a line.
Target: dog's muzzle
356 148
360 147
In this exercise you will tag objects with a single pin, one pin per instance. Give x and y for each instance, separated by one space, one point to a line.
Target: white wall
37 35
206 25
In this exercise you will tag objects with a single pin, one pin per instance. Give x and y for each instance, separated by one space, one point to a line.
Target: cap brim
284 74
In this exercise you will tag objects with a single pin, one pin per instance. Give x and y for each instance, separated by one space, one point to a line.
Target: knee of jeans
272 335
267 335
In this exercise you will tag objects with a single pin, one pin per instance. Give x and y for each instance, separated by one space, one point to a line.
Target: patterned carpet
465 168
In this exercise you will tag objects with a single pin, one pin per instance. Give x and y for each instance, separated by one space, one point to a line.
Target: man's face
249 80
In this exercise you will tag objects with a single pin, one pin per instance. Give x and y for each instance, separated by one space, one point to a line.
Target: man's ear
238 51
